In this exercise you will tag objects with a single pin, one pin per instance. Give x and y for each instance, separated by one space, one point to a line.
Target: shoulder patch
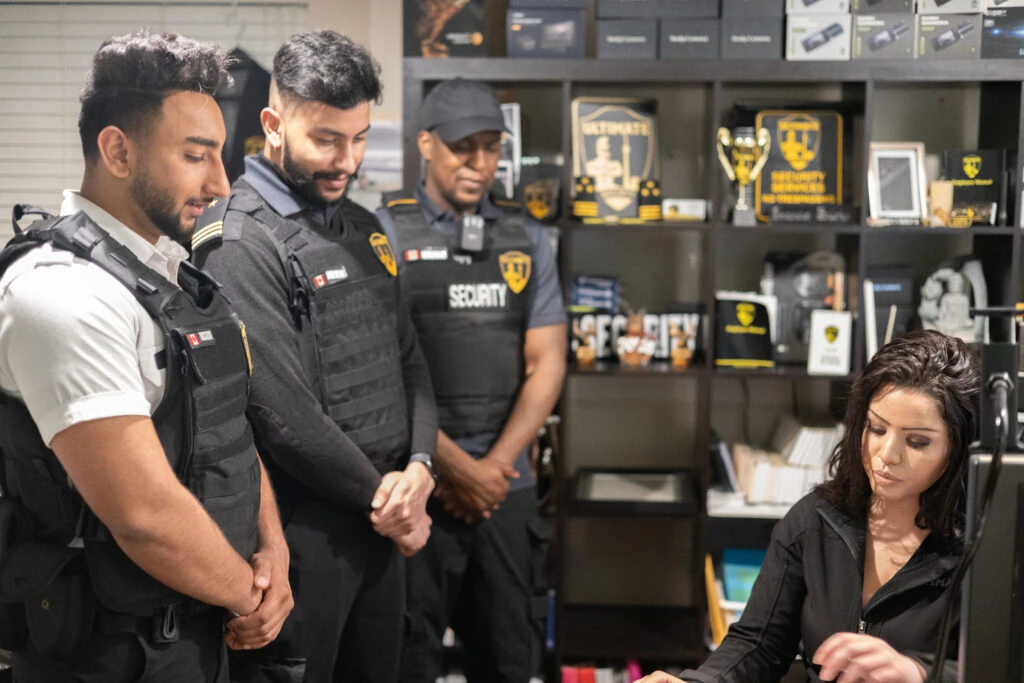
405 201
508 204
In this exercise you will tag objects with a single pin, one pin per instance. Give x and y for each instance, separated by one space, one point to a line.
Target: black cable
999 386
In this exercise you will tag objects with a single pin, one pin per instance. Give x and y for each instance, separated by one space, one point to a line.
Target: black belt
161 627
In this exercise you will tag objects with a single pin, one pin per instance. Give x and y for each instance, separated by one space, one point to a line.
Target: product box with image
883 36
753 8
1002 33
751 38
817 6
1000 4
627 38
948 36
548 4
689 38
462 33
546 33
881 6
678 9
949 6
626 9
818 37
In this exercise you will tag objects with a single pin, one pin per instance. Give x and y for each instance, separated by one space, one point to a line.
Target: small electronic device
816 40
887 36
952 36
471 232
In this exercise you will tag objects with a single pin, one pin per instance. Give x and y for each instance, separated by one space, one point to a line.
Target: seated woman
858 570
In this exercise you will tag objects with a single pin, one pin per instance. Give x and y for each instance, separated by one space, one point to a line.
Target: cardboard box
881 6
548 4
1001 33
626 9
751 38
753 8
677 9
1000 4
818 37
883 36
546 33
627 38
817 6
949 6
948 36
689 38
465 34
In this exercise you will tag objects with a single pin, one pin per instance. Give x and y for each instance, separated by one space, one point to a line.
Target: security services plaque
615 142
805 162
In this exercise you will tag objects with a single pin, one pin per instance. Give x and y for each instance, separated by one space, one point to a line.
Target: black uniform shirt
291 427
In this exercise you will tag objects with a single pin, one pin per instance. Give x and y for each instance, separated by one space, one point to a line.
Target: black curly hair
324 66
131 76
947 370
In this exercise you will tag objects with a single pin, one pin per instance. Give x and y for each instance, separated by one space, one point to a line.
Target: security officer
341 392
484 291
132 519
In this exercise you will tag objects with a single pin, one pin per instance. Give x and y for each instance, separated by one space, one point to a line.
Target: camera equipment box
627 38
881 6
948 36
818 37
546 33
689 38
463 34
1000 4
817 6
626 9
949 6
751 38
678 9
1002 33
753 8
883 36
548 4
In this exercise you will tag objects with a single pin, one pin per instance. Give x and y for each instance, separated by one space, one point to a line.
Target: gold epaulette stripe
215 229
505 202
397 202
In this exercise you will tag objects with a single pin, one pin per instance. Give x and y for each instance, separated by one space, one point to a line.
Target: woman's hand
658 677
849 657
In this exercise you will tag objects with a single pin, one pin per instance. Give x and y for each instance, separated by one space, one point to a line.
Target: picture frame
897 184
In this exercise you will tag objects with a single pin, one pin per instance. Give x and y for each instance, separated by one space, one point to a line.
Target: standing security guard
484 291
341 391
132 518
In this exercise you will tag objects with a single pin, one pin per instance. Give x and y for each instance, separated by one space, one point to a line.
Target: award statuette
743 154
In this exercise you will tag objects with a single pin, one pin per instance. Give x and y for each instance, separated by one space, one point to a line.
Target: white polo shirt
75 344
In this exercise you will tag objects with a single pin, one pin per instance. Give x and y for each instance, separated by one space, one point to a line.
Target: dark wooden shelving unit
683 260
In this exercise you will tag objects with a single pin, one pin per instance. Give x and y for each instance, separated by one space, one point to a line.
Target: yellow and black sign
540 197
382 248
515 268
742 334
977 176
805 161
971 164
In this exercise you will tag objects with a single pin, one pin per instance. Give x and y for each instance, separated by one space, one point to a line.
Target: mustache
326 175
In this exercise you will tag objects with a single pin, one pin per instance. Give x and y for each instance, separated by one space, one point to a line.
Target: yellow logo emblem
972 165
382 248
254 144
799 139
540 198
831 333
745 313
515 268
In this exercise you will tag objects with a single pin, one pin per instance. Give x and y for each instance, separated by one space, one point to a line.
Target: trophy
743 155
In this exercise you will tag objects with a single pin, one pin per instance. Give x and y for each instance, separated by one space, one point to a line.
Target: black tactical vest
470 313
344 303
200 422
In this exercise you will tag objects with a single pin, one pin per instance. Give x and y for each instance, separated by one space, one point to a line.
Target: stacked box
948 6
948 36
751 38
1001 34
678 9
546 33
548 4
627 38
689 38
883 36
818 37
752 8
463 34
626 9
881 6
817 6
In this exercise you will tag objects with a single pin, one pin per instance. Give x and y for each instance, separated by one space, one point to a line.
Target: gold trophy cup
743 153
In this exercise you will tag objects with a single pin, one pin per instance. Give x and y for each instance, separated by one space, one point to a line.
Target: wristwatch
424 458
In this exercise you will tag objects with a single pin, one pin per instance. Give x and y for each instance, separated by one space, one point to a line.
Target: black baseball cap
459 108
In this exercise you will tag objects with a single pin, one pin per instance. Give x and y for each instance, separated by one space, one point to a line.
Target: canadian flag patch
328 276
412 255
200 338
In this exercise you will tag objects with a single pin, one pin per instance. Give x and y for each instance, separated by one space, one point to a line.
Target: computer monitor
992 615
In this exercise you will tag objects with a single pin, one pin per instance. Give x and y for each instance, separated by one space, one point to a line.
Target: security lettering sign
480 295
805 161
382 248
515 268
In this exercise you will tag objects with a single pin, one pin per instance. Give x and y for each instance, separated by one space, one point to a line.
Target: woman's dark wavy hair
947 370
324 66
131 76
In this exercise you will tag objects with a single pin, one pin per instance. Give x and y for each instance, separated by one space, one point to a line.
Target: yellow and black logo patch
831 333
386 255
745 313
972 165
515 268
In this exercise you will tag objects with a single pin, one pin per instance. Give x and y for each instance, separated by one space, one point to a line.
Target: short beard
304 181
159 207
